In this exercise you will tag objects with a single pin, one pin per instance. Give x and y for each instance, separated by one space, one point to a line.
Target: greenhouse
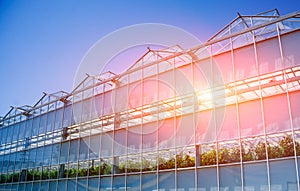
222 116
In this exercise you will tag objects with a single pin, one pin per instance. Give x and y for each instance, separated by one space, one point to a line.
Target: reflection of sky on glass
43 42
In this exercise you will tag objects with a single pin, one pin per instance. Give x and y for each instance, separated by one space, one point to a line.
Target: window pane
295 109
67 121
185 130
149 182
50 121
283 175
86 110
223 68
207 179
230 177
149 136
268 55
108 104
202 74
150 90
120 142
64 152
105 183
166 133
119 182
94 147
58 118
42 125
71 185
290 45
250 118
84 148
186 180
166 180
226 119
47 155
205 131
73 152
62 185
134 139
276 121
255 176
93 184
106 144
244 60
184 81
121 98
166 88
133 182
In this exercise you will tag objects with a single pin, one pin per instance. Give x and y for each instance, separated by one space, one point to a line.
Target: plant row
226 154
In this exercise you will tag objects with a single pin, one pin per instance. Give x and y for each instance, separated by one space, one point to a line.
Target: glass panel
50 121
99 105
268 55
119 183
149 90
251 110
149 182
55 154
31 160
94 146
230 178
105 183
226 121
35 126
84 149
184 80
166 133
67 121
44 186
73 152
3 135
62 185
15 132
134 139
283 175
290 44
9 134
205 131
86 110
71 185
202 74
186 180
255 176
295 109
244 60
52 186
28 186
28 128
106 144
223 68
58 118
133 182
276 121
22 130
93 184
42 125
82 185
166 180
36 186
47 155
107 104
207 179
64 152
149 136
121 98
166 86
135 95
120 142
185 130
77 109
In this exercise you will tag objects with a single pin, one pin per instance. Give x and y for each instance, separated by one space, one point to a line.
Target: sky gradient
43 42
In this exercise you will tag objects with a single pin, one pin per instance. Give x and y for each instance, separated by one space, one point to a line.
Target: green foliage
260 151
53 173
105 168
166 164
72 172
82 172
209 158
183 161
287 146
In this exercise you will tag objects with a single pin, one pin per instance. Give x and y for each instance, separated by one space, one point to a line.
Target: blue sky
43 42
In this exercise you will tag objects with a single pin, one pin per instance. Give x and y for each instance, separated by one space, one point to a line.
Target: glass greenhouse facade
223 116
